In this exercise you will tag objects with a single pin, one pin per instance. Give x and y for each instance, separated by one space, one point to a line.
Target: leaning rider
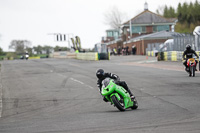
101 76
189 54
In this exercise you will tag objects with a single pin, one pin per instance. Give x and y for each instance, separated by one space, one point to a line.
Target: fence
178 43
172 55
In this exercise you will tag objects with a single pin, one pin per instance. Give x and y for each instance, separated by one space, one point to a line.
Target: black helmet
188 46
100 73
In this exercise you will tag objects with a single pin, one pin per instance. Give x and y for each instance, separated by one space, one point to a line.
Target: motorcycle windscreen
107 87
105 82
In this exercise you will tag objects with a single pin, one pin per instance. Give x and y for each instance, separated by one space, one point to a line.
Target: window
138 29
154 28
162 27
109 34
143 29
116 34
158 28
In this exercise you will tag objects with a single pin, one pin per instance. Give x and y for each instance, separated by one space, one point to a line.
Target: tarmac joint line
75 80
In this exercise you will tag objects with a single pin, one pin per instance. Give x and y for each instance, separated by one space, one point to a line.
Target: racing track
60 96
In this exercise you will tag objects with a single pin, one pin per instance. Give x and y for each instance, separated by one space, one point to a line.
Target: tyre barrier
60 54
80 56
71 55
63 55
152 53
171 56
87 56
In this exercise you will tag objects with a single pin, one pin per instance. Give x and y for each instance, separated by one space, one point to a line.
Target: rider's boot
132 98
129 91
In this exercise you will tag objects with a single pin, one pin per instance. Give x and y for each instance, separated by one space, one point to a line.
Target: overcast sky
33 20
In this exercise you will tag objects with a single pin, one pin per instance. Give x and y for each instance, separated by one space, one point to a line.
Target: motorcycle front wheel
117 103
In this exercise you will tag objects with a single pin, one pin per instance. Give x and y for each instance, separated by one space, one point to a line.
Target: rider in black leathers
189 54
101 76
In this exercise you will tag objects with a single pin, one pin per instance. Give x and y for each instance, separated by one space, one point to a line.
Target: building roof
156 35
112 30
148 17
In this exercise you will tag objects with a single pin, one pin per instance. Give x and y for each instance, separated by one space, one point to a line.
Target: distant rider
101 76
189 54
27 56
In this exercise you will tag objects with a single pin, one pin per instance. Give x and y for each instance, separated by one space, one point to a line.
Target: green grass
42 55
2 56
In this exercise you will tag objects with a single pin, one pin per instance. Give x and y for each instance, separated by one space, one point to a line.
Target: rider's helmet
188 47
100 73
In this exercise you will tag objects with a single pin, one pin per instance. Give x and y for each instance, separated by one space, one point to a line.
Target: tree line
22 46
188 15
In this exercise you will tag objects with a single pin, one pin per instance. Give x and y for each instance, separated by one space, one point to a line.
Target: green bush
11 55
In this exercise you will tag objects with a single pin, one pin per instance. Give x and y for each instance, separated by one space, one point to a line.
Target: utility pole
130 29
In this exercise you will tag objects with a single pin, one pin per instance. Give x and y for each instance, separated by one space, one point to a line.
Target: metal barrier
179 42
172 56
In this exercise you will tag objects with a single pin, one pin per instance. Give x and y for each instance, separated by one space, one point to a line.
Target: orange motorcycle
191 64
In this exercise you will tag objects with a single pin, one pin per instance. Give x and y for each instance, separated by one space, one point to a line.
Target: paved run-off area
60 95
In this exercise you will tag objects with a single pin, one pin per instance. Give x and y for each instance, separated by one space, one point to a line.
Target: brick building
140 31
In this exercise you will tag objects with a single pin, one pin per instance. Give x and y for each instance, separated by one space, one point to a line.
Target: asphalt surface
61 96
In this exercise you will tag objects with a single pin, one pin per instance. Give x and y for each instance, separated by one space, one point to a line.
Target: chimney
145 6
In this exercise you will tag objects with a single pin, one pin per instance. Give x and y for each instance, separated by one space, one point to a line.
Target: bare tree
19 45
47 48
38 49
160 10
114 18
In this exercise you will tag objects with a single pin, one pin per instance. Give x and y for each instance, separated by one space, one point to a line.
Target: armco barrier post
165 56
173 56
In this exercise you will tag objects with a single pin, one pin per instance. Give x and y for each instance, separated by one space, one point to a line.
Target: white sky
33 19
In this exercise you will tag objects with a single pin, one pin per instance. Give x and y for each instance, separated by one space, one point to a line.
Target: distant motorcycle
117 95
26 56
191 63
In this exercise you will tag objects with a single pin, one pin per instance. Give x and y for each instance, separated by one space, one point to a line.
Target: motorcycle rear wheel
117 103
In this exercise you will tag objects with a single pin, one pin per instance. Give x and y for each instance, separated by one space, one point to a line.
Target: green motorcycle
117 95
